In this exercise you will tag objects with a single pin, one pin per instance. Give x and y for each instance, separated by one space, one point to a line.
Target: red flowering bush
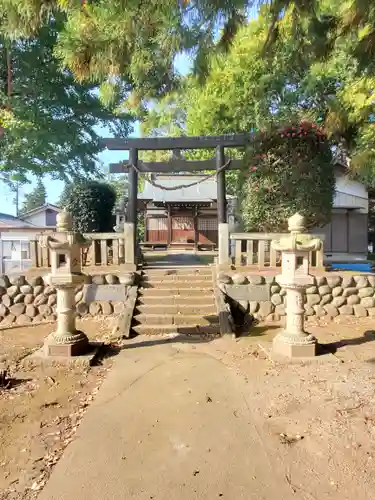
288 169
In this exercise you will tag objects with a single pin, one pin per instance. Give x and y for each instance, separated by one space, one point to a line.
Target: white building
16 233
346 236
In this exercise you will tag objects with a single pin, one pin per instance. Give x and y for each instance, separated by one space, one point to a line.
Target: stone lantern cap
64 237
65 246
64 221
297 240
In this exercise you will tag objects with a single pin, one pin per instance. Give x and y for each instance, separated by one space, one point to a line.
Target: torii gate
132 167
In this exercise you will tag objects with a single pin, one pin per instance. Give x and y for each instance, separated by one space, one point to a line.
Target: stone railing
254 250
105 249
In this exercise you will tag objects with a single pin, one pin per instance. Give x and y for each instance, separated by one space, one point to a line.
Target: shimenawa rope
181 186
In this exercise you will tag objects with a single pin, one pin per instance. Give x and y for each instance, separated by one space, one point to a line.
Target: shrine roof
205 191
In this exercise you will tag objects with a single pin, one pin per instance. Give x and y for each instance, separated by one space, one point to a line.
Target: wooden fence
105 249
254 250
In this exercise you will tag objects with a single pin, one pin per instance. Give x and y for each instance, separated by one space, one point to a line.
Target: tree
138 40
51 121
245 91
91 204
130 48
35 199
288 170
189 24
135 41
328 23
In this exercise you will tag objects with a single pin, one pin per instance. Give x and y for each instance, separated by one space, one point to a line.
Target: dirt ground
40 411
317 418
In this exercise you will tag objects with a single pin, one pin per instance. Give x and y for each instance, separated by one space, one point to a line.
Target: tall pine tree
35 199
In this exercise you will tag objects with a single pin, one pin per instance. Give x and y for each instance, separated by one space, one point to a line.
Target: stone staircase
176 301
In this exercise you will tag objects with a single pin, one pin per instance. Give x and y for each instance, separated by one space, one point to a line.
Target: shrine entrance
184 221
183 230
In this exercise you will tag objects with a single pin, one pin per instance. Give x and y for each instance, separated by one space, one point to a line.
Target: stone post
129 241
223 238
119 228
295 278
65 247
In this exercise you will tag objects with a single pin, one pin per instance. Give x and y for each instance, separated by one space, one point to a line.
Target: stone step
149 329
156 273
169 300
165 292
155 308
176 284
176 278
176 319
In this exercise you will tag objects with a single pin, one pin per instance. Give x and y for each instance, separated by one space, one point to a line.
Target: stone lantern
295 278
65 249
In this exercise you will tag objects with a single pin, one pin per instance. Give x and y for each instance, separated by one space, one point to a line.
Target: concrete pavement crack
135 381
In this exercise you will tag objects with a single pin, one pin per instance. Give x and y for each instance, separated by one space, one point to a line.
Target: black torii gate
175 165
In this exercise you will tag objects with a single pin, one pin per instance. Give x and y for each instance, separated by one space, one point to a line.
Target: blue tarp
362 267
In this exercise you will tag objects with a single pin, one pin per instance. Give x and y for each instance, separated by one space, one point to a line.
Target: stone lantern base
305 347
77 346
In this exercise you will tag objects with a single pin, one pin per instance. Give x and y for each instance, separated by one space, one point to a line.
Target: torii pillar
130 226
223 226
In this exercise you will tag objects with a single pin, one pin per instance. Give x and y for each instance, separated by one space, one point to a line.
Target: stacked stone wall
26 300
329 296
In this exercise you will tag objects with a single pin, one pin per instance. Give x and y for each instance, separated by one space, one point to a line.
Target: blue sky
53 187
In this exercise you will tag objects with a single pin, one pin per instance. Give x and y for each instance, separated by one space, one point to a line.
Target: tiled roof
41 208
10 221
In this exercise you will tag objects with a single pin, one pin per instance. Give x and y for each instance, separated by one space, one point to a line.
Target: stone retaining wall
25 301
329 296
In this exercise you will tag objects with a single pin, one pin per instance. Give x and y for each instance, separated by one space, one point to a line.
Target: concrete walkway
169 423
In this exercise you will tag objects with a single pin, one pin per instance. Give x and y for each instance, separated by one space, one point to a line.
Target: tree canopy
113 41
136 41
319 58
91 204
245 92
51 121
287 170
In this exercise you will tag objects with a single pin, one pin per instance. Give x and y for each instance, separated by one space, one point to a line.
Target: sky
53 187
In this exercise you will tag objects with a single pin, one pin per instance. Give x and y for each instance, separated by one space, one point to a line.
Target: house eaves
41 209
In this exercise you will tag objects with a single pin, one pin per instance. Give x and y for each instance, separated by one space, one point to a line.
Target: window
15 249
25 250
209 224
